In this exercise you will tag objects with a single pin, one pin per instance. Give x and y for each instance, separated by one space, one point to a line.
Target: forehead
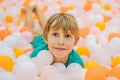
62 30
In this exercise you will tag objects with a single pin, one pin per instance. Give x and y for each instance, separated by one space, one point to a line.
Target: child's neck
62 60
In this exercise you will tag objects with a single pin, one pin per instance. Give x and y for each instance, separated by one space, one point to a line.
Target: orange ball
107 18
114 72
112 35
87 6
59 2
4 33
84 32
6 63
83 50
25 28
9 19
63 9
1 1
96 73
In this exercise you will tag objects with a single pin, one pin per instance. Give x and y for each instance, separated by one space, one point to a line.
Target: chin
59 56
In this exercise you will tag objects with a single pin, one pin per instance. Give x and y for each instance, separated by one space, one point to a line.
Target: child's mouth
60 48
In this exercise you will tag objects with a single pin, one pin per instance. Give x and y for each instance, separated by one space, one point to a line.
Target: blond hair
64 21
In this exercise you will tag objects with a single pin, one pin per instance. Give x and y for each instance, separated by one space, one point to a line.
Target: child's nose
61 41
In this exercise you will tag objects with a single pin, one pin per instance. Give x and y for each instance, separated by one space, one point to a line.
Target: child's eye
68 36
55 34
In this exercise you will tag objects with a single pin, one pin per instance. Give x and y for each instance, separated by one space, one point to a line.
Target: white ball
60 66
45 57
74 67
7 76
26 70
11 41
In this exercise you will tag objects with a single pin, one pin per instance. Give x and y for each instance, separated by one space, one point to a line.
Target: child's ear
76 42
45 40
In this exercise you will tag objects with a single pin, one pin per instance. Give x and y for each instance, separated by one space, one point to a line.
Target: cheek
70 43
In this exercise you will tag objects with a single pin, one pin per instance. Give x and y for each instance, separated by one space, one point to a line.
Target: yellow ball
107 7
6 63
101 25
91 64
9 19
18 51
83 50
115 61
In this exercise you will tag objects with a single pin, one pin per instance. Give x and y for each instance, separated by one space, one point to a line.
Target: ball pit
98 46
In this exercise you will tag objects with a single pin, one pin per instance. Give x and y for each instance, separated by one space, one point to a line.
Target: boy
60 35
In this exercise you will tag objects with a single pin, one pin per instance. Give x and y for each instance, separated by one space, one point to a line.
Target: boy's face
60 44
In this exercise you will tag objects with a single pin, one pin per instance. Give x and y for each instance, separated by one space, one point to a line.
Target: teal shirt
39 44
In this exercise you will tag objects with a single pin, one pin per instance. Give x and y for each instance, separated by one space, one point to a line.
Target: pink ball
28 36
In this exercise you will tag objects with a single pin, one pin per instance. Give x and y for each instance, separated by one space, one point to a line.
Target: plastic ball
84 32
115 61
113 35
60 66
18 51
25 28
73 71
1 1
1 70
94 31
7 63
96 73
70 7
9 19
90 40
26 3
107 18
4 33
114 72
63 9
91 64
43 59
101 25
28 36
11 41
114 45
26 70
48 71
111 78
7 76
22 58
73 67
58 76
107 7
87 6
45 56
83 50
